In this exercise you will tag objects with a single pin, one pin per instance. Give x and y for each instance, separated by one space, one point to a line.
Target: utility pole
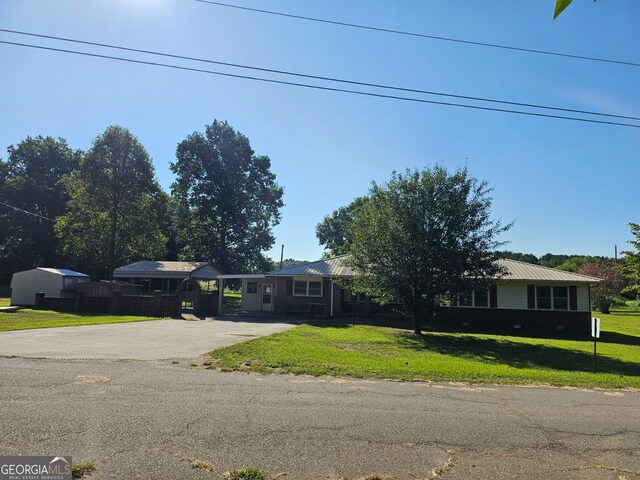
282 255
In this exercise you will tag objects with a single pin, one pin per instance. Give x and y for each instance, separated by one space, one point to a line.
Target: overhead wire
322 87
320 77
423 35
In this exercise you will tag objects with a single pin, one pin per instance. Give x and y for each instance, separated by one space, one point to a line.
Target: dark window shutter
531 296
326 288
573 297
493 296
289 290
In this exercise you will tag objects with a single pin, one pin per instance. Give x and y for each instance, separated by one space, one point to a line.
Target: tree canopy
31 181
227 199
605 294
333 232
116 208
421 235
632 261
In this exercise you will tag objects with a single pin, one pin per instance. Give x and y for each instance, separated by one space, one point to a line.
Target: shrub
246 474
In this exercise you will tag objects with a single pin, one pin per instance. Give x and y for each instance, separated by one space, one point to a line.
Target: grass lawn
5 302
232 299
26 319
382 352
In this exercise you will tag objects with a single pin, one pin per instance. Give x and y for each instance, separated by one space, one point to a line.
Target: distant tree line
568 263
102 208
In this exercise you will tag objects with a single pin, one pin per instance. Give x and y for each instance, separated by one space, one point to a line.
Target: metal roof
162 269
527 271
515 271
62 271
328 267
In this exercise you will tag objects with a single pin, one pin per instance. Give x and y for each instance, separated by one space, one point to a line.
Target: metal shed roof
527 271
162 269
62 271
328 267
515 271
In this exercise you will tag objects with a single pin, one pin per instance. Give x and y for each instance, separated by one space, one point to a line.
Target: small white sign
595 327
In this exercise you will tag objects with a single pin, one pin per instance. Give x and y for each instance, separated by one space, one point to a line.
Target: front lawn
5 302
383 352
27 318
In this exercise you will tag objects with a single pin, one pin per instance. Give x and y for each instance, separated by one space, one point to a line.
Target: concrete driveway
152 340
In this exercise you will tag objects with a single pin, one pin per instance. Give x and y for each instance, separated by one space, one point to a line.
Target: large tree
31 181
605 294
116 209
333 231
424 234
632 261
227 199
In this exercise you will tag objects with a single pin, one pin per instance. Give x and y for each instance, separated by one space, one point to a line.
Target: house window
560 298
252 287
480 298
355 297
300 288
552 298
473 298
306 288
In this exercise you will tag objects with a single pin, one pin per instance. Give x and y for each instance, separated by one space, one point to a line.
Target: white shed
54 282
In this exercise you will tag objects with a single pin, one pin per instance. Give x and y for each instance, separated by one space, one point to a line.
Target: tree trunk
604 307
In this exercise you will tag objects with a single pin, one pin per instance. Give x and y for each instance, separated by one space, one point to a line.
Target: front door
267 298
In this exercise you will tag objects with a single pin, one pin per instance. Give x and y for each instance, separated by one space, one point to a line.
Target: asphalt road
152 340
155 420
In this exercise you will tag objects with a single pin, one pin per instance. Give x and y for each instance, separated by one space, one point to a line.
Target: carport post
220 294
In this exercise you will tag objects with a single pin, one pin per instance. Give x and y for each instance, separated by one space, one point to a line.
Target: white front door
267 298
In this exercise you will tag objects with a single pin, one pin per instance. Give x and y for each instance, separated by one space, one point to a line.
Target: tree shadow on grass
516 354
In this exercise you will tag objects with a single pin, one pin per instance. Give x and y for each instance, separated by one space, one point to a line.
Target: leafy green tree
521 257
30 180
227 200
333 230
605 294
421 235
560 6
116 211
632 261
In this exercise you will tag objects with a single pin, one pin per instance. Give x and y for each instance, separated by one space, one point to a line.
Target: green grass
27 319
5 302
382 352
232 299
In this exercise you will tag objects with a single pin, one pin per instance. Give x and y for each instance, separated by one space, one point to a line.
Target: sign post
595 333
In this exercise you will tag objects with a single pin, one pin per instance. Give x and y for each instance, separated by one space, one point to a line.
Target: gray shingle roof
328 267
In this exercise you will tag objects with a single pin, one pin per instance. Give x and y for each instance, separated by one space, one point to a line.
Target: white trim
237 275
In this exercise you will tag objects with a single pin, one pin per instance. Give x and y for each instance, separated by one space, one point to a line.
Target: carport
258 292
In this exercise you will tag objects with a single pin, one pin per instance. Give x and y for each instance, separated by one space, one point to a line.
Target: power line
319 77
18 209
323 88
423 35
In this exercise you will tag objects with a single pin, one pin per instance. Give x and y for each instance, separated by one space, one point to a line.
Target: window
315 289
480 298
465 299
305 288
473 298
252 287
543 297
300 287
560 298
358 297
552 298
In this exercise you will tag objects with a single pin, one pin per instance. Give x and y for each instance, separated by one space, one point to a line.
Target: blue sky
570 187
